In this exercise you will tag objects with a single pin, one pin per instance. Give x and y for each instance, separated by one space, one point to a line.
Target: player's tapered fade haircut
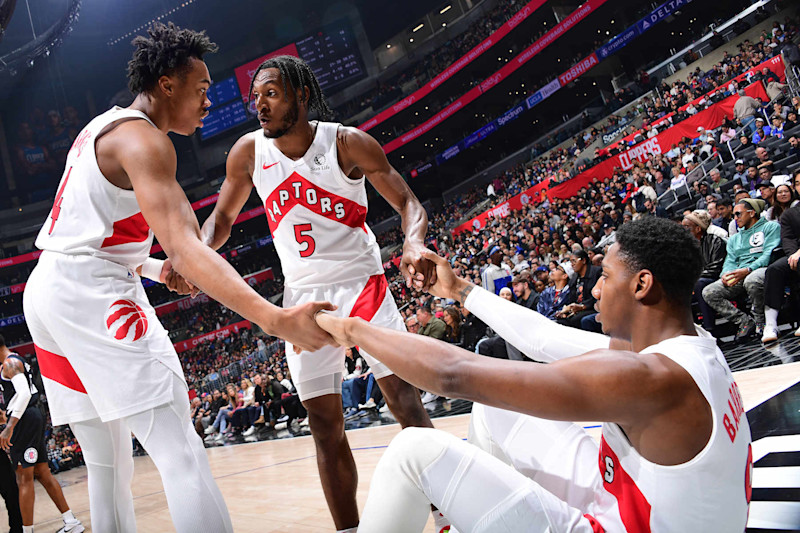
296 74
666 249
167 50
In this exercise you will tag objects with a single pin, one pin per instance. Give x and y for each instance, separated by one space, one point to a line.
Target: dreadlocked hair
299 76
168 50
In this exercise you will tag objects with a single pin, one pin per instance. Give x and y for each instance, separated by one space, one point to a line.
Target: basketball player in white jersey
675 450
310 177
108 365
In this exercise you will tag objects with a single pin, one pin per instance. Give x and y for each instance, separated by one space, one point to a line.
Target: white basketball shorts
101 349
368 298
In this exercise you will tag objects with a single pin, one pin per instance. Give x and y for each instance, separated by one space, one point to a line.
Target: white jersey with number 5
90 215
316 214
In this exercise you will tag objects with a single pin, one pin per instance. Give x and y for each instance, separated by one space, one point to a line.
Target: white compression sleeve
531 333
151 269
21 398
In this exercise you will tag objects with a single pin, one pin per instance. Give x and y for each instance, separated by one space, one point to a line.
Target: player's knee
415 448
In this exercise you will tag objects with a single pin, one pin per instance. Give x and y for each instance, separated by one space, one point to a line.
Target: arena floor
271 485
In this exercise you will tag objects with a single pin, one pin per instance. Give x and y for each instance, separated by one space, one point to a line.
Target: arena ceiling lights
144 26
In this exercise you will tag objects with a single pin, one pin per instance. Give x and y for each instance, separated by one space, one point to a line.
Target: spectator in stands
661 185
794 143
59 139
559 294
430 326
740 173
56 459
412 324
764 158
496 275
724 214
585 278
772 83
506 294
703 190
196 412
748 254
784 198
782 272
791 120
717 181
354 365
524 291
36 168
473 329
713 252
678 178
745 109
454 333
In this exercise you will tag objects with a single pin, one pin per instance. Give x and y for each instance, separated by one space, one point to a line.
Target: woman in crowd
453 333
785 197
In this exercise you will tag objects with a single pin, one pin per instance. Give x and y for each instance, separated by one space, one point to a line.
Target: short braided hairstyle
167 51
296 74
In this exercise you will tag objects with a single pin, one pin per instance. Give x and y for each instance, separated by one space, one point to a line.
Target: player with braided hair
108 366
311 177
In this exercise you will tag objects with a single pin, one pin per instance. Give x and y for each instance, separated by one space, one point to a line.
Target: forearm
424 362
216 231
207 270
530 332
413 220
21 399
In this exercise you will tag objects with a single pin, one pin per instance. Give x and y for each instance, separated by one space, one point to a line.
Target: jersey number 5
301 234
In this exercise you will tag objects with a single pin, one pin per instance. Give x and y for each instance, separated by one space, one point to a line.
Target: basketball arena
475 265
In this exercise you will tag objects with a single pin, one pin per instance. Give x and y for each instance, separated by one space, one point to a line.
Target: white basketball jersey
90 215
316 214
711 492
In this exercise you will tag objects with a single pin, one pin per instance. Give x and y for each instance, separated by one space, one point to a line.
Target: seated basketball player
675 448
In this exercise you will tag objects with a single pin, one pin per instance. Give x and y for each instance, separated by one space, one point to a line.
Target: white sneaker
429 397
770 334
209 430
72 527
384 409
280 425
369 405
250 431
304 422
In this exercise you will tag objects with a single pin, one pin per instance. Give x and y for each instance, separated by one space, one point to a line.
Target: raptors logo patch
126 321
30 455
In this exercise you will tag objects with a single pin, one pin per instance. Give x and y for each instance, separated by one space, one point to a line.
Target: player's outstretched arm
149 160
604 385
360 150
233 194
530 332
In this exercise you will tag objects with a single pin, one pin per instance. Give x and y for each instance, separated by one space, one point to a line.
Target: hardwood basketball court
273 486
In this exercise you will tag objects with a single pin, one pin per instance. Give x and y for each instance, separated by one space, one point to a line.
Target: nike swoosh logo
266 166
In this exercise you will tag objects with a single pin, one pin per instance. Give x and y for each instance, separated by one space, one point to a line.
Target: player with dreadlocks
311 177
108 366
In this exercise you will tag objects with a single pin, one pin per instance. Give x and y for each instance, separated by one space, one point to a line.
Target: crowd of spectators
40 150
546 256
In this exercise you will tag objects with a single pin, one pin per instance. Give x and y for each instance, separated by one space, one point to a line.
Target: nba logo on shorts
126 321
30 455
